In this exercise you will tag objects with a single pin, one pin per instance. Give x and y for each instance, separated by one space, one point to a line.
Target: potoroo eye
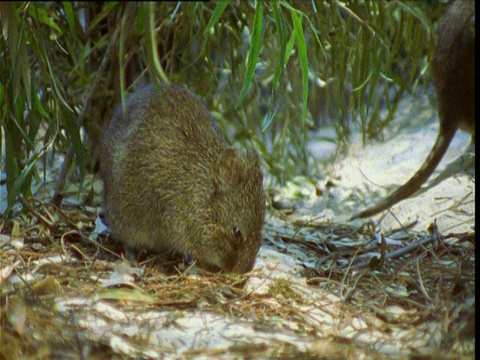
237 233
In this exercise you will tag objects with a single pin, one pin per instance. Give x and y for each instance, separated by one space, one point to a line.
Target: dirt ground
398 286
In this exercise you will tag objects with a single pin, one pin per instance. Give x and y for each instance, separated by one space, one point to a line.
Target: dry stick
397 253
98 245
423 290
63 216
455 204
35 213
41 218
57 199
409 248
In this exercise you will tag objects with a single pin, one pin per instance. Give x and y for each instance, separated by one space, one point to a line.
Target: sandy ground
375 170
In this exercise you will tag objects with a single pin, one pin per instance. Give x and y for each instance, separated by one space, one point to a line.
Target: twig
420 280
455 204
409 248
35 213
395 254
98 245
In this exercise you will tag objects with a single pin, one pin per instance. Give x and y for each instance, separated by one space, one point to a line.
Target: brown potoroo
171 183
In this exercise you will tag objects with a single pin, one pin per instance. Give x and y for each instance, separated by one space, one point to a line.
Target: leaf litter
396 287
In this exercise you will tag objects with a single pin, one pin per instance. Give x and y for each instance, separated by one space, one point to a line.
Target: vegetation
269 71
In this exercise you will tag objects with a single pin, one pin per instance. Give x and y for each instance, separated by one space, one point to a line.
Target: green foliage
269 71
254 50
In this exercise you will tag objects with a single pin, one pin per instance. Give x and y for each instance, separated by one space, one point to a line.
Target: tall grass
269 71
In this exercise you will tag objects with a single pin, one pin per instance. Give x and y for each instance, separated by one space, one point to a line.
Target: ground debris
319 289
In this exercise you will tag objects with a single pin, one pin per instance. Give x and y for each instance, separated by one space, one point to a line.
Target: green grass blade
67 7
153 52
302 53
281 26
74 135
175 11
37 11
289 48
219 9
254 51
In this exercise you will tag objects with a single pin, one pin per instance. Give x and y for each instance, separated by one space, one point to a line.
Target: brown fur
172 184
454 77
